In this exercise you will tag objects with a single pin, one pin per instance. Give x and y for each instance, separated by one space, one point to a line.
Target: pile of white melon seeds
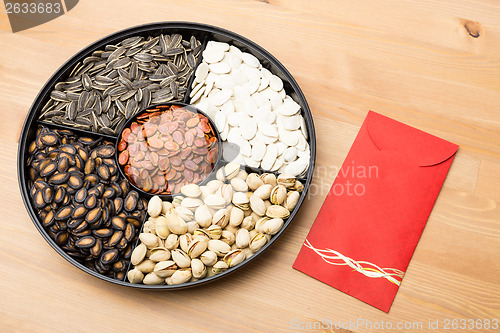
252 110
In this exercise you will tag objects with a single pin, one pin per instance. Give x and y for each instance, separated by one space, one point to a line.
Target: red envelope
368 227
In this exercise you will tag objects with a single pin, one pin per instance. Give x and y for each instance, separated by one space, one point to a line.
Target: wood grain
433 65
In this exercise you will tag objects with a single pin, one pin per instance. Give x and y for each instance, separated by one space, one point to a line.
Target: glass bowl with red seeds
167 146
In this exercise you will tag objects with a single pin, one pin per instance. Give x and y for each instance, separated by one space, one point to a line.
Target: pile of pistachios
211 228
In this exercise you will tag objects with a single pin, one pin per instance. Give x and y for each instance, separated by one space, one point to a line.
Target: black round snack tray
203 33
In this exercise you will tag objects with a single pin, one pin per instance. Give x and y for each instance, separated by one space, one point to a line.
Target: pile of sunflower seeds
113 84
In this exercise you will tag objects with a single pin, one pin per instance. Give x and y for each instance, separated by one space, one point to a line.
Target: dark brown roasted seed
81 195
131 201
85 242
94 215
63 213
79 212
115 238
103 233
109 257
90 201
118 223
48 220
61 238
75 182
59 178
96 250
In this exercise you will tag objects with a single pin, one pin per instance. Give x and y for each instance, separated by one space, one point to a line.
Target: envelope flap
389 134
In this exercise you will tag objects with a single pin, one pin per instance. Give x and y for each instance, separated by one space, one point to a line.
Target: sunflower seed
59 96
94 95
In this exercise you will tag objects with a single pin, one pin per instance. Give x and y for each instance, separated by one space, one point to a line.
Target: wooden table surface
433 65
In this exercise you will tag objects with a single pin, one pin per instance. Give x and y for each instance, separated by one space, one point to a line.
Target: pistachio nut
215 201
228 237
286 180
172 241
253 233
160 242
146 266
184 241
242 174
191 203
272 226
154 206
242 238
201 234
254 181
277 211
192 226
191 190
231 170
260 224
184 213
152 278
299 187
138 254
231 229
161 227
278 195
209 258
214 231
248 253
165 269
255 217
239 184
291 200
219 267
198 268
150 221
181 258
241 200
234 258
197 247
159 254
226 191
135 276
257 242
236 216
149 240
176 224
203 216
248 223
268 203
181 276
219 247
221 218
263 191
214 185
165 206
257 205
269 178
209 272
